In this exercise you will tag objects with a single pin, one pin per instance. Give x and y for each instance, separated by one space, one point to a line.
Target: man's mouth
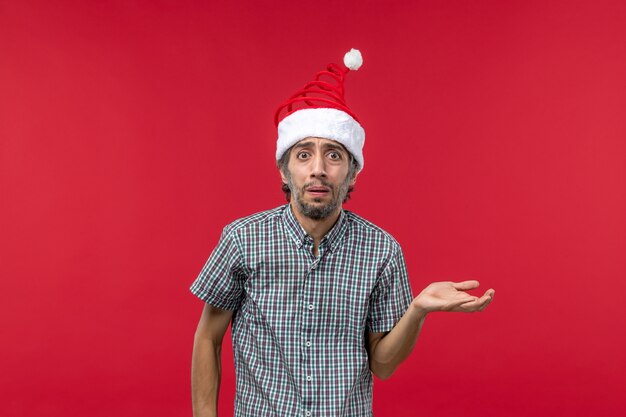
317 190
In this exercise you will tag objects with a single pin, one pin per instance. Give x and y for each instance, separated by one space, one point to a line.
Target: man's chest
327 294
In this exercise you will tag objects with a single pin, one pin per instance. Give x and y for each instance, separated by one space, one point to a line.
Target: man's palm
451 296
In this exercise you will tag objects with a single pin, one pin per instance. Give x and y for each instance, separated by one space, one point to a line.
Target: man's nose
318 167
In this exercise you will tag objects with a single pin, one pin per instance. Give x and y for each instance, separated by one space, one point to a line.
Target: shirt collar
333 238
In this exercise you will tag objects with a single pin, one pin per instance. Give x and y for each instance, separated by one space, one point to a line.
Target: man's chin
318 201
316 210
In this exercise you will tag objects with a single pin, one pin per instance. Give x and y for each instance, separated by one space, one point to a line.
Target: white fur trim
353 59
321 123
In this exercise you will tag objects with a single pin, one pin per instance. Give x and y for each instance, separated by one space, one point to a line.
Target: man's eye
334 156
303 155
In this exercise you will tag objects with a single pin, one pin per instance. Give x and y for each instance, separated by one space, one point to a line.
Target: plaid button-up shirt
300 321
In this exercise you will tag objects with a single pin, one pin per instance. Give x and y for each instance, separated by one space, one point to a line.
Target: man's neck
317 229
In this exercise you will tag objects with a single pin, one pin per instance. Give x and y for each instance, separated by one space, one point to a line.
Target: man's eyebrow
307 144
303 144
336 146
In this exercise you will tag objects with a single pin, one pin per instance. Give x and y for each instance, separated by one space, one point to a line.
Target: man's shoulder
266 217
366 228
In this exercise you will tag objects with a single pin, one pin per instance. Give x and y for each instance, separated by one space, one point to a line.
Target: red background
131 132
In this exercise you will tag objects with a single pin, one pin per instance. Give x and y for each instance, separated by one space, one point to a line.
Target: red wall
132 132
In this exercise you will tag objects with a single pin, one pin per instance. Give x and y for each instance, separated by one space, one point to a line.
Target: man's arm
388 350
206 362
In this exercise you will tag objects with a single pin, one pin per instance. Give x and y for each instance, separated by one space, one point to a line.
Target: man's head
318 175
319 149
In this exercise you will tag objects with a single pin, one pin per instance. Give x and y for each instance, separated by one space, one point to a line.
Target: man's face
317 175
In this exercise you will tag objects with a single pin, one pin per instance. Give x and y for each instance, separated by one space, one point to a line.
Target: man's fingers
465 285
487 298
490 292
480 304
465 303
485 304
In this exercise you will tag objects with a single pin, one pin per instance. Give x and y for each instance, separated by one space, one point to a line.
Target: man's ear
283 176
353 181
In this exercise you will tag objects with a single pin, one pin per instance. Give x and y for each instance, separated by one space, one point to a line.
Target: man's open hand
451 296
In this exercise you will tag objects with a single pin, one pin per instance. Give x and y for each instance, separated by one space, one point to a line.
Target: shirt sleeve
391 297
221 280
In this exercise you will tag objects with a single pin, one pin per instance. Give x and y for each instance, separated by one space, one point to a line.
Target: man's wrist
417 311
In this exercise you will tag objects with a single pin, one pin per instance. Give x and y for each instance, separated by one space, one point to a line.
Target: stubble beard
318 212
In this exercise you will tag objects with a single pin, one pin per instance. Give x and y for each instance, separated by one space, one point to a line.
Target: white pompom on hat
353 59
319 110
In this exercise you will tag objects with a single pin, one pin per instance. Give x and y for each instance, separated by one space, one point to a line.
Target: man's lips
317 190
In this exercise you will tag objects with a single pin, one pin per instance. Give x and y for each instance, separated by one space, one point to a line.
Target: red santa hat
319 110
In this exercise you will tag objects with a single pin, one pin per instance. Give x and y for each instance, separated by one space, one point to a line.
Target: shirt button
310 306
309 378
308 343
308 414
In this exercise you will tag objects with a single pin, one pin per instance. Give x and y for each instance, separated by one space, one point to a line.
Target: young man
319 298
